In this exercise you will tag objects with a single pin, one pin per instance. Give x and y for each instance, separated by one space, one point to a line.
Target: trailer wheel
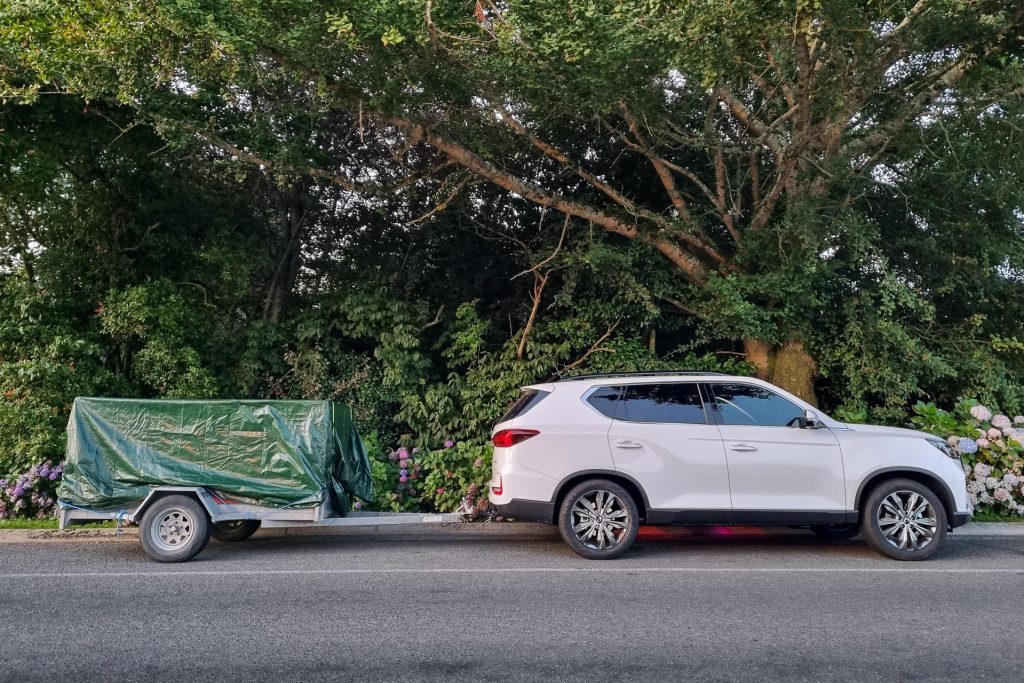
235 530
174 529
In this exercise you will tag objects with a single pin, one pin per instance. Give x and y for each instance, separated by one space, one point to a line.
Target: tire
174 529
235 530
904 520
597 536
836 531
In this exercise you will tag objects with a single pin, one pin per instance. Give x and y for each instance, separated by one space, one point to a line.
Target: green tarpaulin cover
277 453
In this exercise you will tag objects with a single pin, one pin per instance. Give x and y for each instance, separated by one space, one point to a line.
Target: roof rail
674 373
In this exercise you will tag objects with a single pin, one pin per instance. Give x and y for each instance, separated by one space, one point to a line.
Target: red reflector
499 488
510 437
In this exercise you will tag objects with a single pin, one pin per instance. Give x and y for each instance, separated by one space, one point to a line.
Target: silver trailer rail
176 522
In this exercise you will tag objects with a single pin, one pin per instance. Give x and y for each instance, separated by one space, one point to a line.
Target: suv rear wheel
598 519
904 519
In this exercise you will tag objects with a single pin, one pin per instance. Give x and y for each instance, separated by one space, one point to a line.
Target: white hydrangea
1002 495
981 470
991 482
1010 479
1019 420
953 440
981 413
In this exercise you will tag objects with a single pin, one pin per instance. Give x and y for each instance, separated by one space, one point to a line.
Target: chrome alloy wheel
907 520
174 530
599 519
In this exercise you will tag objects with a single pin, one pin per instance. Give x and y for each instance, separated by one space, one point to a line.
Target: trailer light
510 437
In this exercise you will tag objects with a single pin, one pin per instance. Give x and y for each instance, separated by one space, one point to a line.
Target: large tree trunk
786 365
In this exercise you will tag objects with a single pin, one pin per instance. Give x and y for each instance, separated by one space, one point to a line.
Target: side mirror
811 420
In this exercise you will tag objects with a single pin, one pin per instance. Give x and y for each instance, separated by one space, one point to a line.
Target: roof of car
644 375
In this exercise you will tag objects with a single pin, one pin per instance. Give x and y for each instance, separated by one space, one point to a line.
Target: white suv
601 454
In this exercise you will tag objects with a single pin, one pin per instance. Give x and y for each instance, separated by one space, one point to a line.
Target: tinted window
604 400
672 403
746 404
529 399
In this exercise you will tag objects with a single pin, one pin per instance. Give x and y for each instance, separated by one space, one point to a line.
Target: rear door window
528 400
748 404
671 403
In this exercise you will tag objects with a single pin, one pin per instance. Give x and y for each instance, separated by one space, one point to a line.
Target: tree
737 140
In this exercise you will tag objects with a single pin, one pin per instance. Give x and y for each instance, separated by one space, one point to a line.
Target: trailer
186 470
176 522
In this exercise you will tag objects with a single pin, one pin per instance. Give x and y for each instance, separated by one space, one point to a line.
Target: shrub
991 447
452 478
31 494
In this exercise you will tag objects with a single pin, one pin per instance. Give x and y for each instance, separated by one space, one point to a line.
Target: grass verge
49 524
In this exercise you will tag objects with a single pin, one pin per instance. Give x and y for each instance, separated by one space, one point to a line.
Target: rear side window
528 400
746 404
672 403
604 400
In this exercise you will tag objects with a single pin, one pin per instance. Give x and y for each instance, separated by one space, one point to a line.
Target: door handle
741 447
628 444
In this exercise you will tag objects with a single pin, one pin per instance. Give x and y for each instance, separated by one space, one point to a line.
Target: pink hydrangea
994 434
983 443
981 413
1001 422
1002 495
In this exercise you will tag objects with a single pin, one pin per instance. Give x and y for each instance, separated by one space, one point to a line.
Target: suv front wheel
904 519
598 519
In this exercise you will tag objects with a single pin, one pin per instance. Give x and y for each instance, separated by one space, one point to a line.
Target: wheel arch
924 477
160 492
624 480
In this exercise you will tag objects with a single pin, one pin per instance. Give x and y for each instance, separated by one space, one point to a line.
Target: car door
776 466
663 437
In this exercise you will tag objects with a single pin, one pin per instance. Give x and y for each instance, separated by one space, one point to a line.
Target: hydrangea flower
449 444
17 492
357 505
403 479
1002 495
403 472
403 463
1011 479
44 472
981 470
953 440
403 453
967 446
1001 422
994 434
416 450
478 462
991 482
981 413
983 443
54 474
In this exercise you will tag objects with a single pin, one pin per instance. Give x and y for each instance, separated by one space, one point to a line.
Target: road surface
713 607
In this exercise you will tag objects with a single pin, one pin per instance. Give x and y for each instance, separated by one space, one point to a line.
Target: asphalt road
362 608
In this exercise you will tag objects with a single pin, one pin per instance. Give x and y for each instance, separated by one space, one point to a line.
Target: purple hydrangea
358 505
17 492
403 472
403 453
416 450
54 474
403 479
44 472
449 444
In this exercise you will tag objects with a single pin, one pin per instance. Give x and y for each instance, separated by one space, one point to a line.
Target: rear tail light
510 437
499 488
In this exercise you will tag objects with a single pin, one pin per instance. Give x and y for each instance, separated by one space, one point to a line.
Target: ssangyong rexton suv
600 455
